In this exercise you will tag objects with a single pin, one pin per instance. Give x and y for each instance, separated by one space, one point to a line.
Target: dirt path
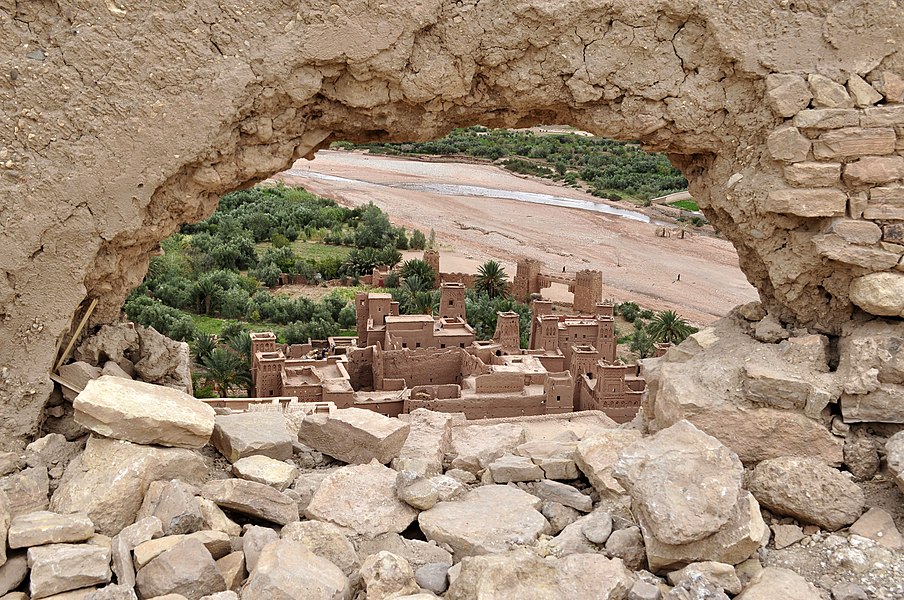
636 264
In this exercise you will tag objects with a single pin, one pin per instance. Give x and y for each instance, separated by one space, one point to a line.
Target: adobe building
379 321
614 389
551 332
308 380
586 285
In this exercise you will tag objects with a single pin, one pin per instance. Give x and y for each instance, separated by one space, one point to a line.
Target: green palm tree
491 279
203 345
205 290
667 326
418 267
225 369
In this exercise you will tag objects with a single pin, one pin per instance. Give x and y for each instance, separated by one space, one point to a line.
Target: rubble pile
166 497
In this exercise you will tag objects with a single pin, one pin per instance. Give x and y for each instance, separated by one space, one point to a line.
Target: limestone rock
571 540
77 374
253 499
769 330
232 568
416 491
62 567
775 582
596 457
13 572
125 541
354 435
489 519
861 456
325 540
429 440
187 569
252 433
510 468
27 491
561 493
363 499
111 592
217 543
147 551
109 480
111 342
559 516
788 145
215 519
787 94
307 485
597 527
684 483
641 590
828 93
716 573
287 570
114 370
892 87
874 170
386 576
806 490
894 456
877 525
627 544
174 503
163 361
707 388
848 591
433 577
786 535
520 574
556 458
476 446
862 93
266 470
871 368
418 553
39 528
52 452
5 518
738 539
143 413
254 540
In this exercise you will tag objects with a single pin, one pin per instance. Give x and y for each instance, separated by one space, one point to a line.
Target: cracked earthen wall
125 118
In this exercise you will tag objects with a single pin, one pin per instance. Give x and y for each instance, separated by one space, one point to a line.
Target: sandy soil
636 265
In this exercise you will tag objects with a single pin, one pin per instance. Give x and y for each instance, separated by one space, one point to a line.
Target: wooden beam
78 331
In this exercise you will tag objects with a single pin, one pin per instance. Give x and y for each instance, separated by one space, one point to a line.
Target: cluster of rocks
424 506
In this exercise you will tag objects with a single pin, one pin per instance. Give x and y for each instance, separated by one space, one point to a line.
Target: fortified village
761 458
399 363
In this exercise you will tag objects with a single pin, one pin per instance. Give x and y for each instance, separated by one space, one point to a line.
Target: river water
485 192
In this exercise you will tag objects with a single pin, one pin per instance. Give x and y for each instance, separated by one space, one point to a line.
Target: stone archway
130 118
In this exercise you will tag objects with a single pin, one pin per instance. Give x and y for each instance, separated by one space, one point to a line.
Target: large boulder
125 541
287 570
354 435
476 446
736 389
361 498
871 367
489 519
429 439
175 504
596 457
26 491
43 527
521 574
774 582
266 470
807 490
387 576
737 540
143 413
109 480
187 569
253 499
684 484
252 433
325 540
62 567
163 361
556 458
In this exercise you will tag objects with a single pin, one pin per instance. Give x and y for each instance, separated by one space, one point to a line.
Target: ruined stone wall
588 291
126 119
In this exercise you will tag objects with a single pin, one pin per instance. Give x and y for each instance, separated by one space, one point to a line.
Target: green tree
225 370
491 279
418 240
418 267
203 345
642 343
667 326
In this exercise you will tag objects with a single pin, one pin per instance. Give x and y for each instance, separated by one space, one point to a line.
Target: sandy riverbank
636 264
